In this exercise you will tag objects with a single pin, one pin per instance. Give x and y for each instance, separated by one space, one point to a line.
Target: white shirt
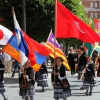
7 57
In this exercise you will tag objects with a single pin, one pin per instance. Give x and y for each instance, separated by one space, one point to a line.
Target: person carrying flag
61 90
26 82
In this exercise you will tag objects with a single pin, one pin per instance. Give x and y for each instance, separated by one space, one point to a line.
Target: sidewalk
12 89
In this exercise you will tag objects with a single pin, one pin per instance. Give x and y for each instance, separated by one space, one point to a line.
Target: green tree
77 8
39 16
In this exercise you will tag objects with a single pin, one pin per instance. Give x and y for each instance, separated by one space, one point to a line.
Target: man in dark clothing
71 60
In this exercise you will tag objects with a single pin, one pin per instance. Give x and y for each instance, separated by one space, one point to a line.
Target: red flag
70 26
37 52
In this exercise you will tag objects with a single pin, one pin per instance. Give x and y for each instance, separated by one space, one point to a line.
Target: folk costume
43 78
27 85
89 78
71 61
82 63
59 90
2 89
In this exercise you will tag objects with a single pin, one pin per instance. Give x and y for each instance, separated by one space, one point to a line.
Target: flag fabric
97 48
17 44
12 48
5 35
26 48
40 51
58 51
89 48
70 26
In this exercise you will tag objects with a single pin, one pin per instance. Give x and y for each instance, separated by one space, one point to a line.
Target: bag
24 86
65 84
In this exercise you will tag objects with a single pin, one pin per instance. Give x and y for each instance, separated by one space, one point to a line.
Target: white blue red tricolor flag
16 45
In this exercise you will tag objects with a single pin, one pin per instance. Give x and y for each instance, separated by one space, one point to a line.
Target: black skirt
2 89
59 93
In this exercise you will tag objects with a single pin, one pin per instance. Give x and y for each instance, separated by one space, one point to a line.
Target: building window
96 4
96 15
91 15
91 4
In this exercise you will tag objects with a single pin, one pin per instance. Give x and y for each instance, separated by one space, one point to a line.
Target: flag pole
24 73
55 31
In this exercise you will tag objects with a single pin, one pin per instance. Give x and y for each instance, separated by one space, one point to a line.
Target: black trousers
72 69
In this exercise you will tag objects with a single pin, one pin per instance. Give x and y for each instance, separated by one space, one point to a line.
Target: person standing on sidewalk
60 76
26 82
2 89
7 62
43 79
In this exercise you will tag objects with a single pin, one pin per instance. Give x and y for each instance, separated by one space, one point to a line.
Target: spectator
7 62
16 66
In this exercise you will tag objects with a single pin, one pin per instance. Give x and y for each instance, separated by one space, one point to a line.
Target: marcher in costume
43 78
82 61
2 89
26 82
60 76
89 78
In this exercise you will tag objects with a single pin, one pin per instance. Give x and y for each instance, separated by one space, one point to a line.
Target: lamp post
24 15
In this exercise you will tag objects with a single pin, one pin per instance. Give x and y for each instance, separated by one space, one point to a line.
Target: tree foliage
39 16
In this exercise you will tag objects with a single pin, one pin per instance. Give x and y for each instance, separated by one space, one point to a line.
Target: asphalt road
12 89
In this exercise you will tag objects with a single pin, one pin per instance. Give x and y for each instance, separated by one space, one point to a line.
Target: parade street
12 89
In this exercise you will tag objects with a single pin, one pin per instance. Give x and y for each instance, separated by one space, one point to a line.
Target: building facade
92 8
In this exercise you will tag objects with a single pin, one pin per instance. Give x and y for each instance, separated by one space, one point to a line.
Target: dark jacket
90 70
43 69
71 58
30 73
82 61
2 68
62 72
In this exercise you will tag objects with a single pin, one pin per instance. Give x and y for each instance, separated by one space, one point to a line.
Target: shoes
86 93
43 90
12 75
82 88
90 93
6 98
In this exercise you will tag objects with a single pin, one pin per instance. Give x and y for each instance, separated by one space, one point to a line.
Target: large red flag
37 52
70 26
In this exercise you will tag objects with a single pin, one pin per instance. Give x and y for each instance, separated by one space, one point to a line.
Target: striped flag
17 47
58 51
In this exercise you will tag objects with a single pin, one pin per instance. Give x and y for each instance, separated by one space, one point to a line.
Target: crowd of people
86 67
78 61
